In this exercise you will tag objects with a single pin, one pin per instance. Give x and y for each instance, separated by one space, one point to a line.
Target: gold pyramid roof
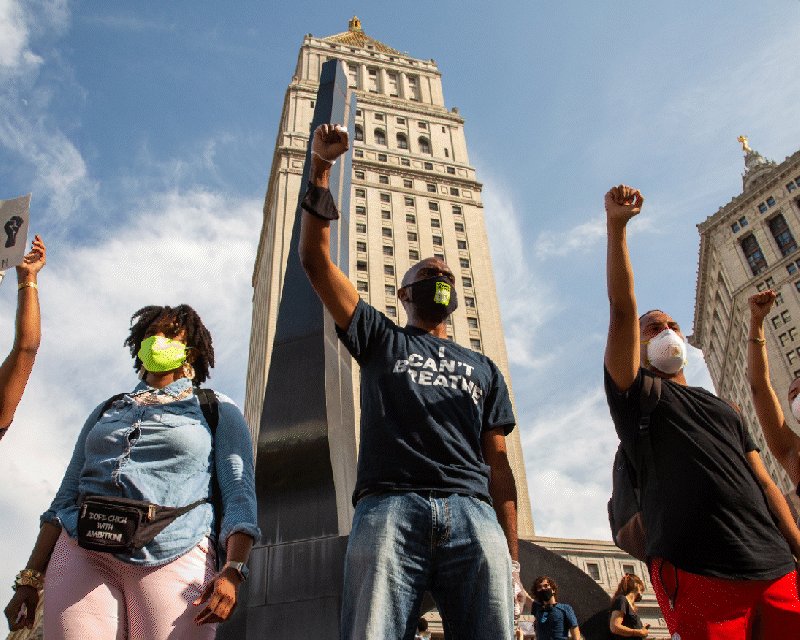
355 37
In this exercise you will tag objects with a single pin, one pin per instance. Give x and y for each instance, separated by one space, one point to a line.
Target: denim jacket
163 454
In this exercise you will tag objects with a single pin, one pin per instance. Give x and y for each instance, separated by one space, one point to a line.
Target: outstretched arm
622 348
16 369
334 289
781 440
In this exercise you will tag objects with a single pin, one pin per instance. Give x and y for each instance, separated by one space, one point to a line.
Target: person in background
17 367
624 621
782 441
161 454
554 620
422 630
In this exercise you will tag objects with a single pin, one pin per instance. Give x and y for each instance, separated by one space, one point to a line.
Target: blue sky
145 133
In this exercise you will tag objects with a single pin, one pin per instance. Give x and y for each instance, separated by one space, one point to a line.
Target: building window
436 223
424 145
388 250
433 206
382 157
379 116
735 227
628 568
359 175
464 263
361 210
459 227
428 166
791 268
362 286
358 153
361 246
437 241
453 191
391 311
411 218
402 141
391 83
388 269
383 179
431 187
593 570
753 253
412 236
446 153
469 302
770 201
475 344
413 87
361 193
413 254
779 300
762 207
742 222
423 125
791 356
380 137
361 227
386 197
386 214
467 282
359 133
439 256
456 210
352 77
784 338
401 121
405 162
408 184
472 323
783 237
451 170
361 265
791 187
358 111
409 201
390 291
386 232
462 244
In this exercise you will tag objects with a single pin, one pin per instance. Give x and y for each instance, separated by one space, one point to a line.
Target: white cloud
195 247
580 237
15 54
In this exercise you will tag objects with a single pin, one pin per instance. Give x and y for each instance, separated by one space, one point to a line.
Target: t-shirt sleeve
497 409
569 614
367 327
748 441
619 604
624 406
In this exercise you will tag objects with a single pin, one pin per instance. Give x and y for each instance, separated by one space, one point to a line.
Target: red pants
705 608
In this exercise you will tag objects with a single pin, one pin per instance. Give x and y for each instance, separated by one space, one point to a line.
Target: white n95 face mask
667 352
796 407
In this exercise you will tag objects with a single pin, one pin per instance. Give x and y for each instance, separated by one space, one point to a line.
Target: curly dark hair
538 582
198 339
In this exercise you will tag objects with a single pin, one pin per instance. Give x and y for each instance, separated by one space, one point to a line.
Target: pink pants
89 594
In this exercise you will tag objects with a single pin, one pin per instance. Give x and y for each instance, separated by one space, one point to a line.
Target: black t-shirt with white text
425 402
708 514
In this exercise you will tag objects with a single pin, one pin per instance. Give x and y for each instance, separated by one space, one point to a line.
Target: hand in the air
761 303
622 203
330 141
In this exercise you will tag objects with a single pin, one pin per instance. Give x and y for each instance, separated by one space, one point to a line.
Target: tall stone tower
749 245
414 195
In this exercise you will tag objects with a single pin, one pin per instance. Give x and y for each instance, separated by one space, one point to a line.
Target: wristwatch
238 567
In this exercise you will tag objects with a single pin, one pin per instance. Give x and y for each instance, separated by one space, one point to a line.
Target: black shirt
425 403
708 514
630 618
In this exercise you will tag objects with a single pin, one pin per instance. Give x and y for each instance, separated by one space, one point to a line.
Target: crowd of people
150 531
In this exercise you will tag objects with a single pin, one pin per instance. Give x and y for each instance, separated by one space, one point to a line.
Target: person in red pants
721 540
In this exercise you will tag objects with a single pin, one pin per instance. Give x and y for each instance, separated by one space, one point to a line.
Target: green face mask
159 354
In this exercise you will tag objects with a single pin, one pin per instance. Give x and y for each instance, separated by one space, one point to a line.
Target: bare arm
334 289
502 487
777 503
617 628
781 440
622 348
575 633
17 367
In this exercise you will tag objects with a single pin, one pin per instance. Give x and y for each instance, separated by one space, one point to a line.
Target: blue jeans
403 544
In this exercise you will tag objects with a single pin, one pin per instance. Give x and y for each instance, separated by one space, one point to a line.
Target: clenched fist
330 141
622 203
761 303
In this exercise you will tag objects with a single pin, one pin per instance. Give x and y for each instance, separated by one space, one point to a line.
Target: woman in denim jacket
155 445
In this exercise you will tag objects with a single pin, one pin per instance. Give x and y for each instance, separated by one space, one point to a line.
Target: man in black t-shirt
435 496
720 537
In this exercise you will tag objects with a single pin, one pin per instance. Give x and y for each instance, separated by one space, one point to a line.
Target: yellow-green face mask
159 354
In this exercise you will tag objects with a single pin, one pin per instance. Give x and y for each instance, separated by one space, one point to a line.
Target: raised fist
330 141
761 303
622 203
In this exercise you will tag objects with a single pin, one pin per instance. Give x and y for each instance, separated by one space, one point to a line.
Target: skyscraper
414 195
750 245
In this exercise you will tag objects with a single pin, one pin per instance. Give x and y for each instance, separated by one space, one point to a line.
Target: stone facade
414 195
750 245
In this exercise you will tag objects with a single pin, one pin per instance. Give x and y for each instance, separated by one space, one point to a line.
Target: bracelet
23 285
29 578
761 341
330 162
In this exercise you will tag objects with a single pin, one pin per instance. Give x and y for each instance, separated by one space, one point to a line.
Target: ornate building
414 195
750 245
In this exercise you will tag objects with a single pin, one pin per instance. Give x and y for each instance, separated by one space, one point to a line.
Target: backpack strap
209 404
650 396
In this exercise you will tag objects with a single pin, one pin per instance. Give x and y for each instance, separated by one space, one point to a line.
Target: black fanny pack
121 525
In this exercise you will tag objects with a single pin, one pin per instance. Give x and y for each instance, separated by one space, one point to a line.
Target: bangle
761 341
29 578
330 162
23 285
